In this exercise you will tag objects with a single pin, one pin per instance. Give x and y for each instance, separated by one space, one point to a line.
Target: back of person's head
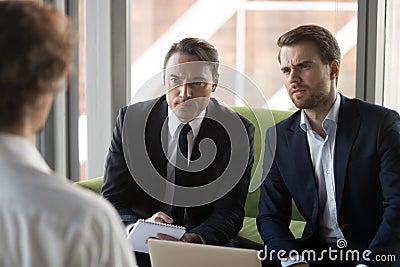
196 47
321 37
36 47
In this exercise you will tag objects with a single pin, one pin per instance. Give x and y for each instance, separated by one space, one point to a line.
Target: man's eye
199 83
174 80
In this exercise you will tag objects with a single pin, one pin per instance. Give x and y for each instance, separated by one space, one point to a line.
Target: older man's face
189 84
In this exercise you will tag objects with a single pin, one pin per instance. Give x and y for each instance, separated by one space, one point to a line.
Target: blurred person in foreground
337 158
183 157
44 220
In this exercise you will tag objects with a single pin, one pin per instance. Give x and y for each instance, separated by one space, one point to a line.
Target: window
245 33
392 56
82 119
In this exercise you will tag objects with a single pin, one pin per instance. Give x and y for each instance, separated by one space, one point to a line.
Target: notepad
144 229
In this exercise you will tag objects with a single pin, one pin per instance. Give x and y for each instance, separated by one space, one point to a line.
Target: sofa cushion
262 120
93 184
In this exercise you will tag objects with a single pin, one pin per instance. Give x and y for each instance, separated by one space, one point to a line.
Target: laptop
179 254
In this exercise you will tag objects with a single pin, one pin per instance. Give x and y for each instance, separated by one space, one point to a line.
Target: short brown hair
36 44
321 37
196 47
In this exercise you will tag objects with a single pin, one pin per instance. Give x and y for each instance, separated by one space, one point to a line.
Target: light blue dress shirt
322 154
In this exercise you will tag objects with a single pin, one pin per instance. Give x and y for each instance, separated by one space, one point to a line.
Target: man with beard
337 158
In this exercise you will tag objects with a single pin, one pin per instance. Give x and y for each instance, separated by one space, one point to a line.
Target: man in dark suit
182 158
337 158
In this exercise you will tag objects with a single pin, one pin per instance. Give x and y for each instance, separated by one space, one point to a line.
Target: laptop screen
179 254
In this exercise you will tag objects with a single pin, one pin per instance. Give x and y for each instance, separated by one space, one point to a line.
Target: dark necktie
182 142
181 161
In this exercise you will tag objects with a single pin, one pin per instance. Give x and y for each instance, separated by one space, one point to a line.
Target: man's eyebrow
302 63
284 68
198 78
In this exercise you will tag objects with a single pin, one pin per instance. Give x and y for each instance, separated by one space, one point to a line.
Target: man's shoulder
142 110
58 212
145 105
79 205
289 122
364 109
227 114
51 193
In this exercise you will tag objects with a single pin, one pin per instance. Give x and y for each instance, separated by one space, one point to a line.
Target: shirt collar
174 122
333 115
15 148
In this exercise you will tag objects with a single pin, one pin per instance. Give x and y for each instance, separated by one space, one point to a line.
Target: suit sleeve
387 238
117 179
275 206
227 217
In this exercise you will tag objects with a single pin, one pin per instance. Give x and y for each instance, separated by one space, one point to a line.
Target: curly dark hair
36 44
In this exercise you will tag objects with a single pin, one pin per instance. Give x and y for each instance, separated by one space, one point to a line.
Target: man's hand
164 237
187 237
164 218
160 217
191 238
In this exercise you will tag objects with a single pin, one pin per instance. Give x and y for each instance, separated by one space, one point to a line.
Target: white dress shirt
322 154
46 221
174 128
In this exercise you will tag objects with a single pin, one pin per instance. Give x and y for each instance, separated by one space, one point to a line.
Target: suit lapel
206 131
156 135
347 129
299 152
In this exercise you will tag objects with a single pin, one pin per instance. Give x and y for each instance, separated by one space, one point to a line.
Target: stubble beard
310 102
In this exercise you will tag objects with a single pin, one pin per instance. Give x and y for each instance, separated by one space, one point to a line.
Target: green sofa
262 119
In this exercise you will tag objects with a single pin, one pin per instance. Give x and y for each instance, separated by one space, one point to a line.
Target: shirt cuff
202 239
361 265
291 261
129 227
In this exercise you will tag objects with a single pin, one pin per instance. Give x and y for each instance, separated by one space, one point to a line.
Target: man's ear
163 78
215 83
335 66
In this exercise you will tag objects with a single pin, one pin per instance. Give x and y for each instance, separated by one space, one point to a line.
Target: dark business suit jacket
217 221
367 181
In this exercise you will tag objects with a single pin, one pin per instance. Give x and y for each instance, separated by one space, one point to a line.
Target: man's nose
294 76
184 90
